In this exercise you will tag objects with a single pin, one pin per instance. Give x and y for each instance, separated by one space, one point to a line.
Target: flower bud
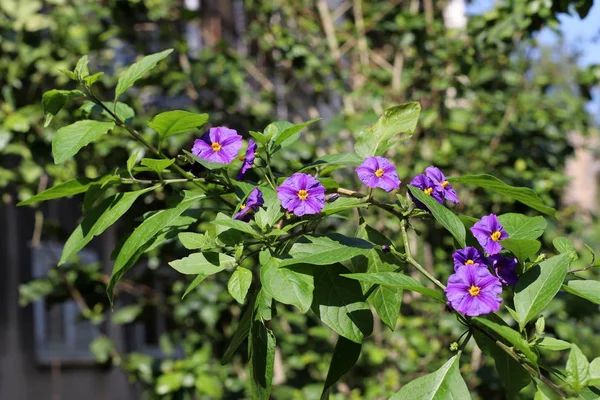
385 248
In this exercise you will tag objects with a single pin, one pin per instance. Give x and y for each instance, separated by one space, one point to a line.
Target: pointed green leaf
133 158
564 245
289 135
445 217
549 343
174 122
289 285
519 226
344 357
242 331
137 71
81 68
65 189
538 286
522 248
595 372
586 289
143 234
98 220
521 194
443 384
203 263
396 123
70 139
326 249
157 166
339 303
235 224
262 357
578 370
196 241
239 284
397 280
513 337
90 80
54 100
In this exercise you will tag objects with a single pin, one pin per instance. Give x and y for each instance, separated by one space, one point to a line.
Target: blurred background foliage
494 101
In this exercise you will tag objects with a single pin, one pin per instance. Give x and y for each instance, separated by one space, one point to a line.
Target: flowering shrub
266 235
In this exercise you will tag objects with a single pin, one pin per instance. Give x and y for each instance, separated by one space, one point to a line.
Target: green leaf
564 245
344 203
513 337
143 234
578 370
339 303
241 226
174 122
344 357
538 286
68 188
90 80
326 249
54 100
157 166
335 159
259 138
239 284
519 226
207 164
445 217
512 375
264 306
521 194
522 248
586 289
443 384
81 68
289 285
121 110
196 241
101 347
242 331
133 158
595 372
262 357
137 71
70 139
553 344
98 220
289 135
127 314
169 382
398 121
197 280
397 280
203 263
384 299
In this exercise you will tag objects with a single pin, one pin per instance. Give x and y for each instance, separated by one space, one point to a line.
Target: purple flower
439 179
473 291
428 186
378 172
505 268
248 160
219 145
302 194
253 202
467 256
489 232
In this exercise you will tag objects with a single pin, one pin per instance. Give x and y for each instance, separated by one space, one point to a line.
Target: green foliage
175 122
71 138
137 71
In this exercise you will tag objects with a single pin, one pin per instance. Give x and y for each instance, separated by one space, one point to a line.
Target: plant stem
414 262
133 132
383 206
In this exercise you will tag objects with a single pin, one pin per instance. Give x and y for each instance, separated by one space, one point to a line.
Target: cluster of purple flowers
222 145
475 287
434 183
